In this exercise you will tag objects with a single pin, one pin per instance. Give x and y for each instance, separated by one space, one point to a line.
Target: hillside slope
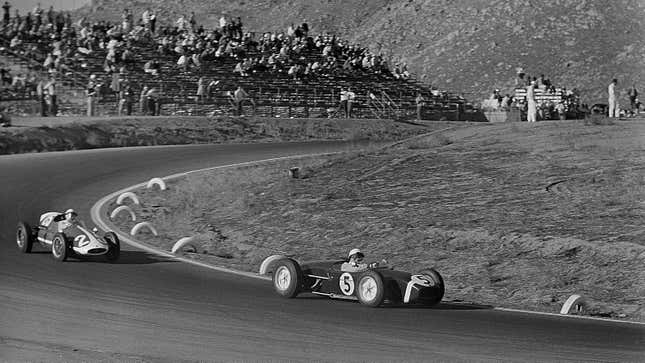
470 46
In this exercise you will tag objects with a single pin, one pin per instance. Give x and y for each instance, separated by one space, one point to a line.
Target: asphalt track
146 308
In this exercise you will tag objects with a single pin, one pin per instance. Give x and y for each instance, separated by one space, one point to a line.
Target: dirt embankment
145 131
513 215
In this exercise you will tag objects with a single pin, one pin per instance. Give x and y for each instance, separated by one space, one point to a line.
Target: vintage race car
372 287
74 240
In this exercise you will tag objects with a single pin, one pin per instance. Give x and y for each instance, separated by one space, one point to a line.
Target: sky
28 5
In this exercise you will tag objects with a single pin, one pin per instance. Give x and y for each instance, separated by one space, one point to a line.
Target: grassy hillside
513 215
470 46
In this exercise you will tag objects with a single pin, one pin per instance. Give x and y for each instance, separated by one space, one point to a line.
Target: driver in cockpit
70 219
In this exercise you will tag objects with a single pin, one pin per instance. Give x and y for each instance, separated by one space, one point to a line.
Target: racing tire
370 289
438 285
287 278
114 246
60 247
24 237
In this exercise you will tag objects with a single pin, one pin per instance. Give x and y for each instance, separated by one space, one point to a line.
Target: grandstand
82 51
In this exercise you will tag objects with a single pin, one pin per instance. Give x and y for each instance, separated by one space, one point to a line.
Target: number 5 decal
346 283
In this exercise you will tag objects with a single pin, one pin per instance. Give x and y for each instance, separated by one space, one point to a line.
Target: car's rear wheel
24 237
287 278
438 287
114 246
371 289
60 247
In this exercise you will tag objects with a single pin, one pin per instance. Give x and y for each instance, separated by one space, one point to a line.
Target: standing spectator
152 98
124 96
143 101
50 15
350 101
614 110
51 91
420 101
561 110
192 21
153 21
92 91
7 12
343 102
115 84
201 90
633 93
240 96
41 91
145 18
5 76
531 113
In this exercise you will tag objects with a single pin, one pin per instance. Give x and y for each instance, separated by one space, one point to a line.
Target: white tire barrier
127 195
137 227
156 181
267 264
183 242
575 302
119 209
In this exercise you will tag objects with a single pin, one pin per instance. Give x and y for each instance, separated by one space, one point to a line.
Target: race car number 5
346 283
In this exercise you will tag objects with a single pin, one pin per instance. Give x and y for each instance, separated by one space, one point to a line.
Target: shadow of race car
75 240
373 287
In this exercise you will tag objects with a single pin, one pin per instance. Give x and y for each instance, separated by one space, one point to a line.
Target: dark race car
74 240
372 287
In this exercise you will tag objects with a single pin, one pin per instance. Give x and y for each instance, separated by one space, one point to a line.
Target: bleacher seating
275 92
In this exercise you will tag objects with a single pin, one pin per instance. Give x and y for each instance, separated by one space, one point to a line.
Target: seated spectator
405 74
152 67
212 85
127 56
183 62
240 69
196 59
18 82
293 71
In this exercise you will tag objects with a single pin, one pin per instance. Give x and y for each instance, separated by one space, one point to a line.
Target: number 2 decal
346 283
81 239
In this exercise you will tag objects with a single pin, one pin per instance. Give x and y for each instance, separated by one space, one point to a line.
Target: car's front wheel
60 247
114 246
371 289
287 278
437 285
24 237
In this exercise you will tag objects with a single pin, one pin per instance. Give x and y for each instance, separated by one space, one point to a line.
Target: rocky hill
470 46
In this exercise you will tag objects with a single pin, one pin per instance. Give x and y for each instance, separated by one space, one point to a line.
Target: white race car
67 239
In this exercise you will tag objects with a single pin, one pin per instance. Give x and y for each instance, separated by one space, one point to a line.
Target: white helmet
355 251
70 211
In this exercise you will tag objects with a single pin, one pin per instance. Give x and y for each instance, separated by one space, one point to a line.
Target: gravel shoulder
40 134
512 215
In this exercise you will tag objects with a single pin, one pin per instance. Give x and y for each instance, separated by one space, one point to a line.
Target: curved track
151 309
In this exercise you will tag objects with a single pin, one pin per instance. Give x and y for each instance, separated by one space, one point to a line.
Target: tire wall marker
122 208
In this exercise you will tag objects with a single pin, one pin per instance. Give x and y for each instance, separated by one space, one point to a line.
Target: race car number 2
346 283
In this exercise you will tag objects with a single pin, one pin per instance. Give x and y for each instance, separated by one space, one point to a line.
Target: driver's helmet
70 214
357 252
